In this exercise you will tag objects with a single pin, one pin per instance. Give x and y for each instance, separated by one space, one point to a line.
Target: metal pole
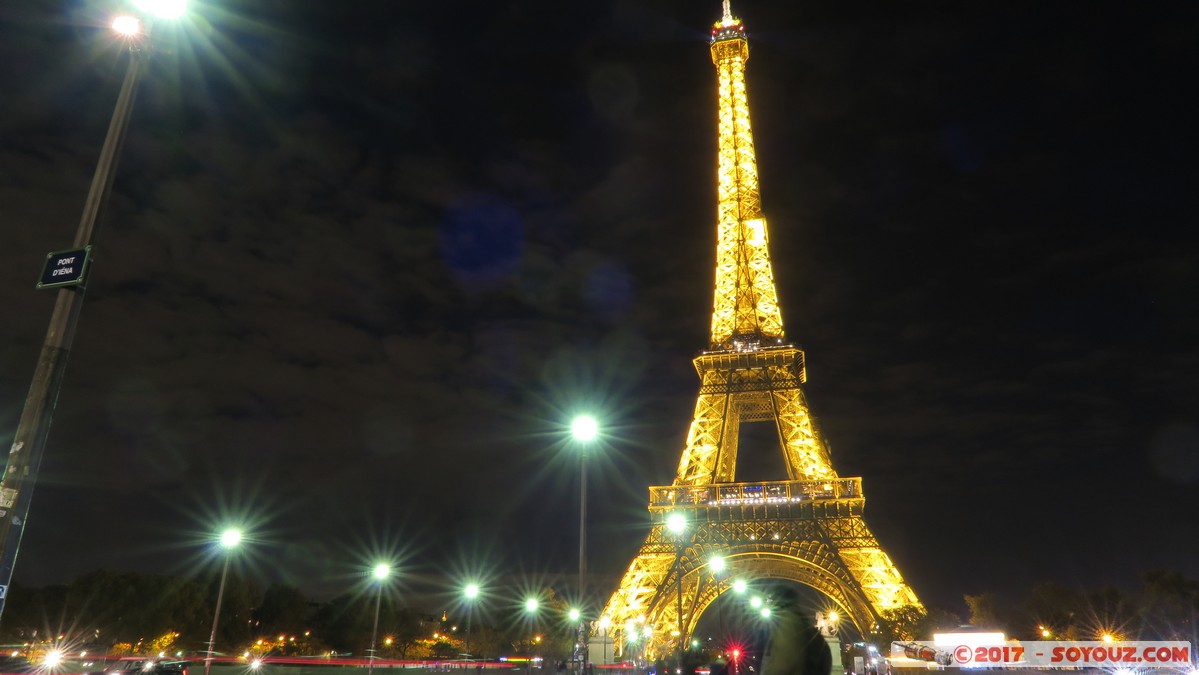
582 632
678 566
370 668
469 613
216 616
720 622
29 440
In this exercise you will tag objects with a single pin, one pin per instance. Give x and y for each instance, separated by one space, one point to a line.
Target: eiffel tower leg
872 569
806 456
638 603
708 458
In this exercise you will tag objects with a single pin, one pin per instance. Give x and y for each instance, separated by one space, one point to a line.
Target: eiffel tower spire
745 306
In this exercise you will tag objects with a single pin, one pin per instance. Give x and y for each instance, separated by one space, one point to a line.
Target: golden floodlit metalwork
808 528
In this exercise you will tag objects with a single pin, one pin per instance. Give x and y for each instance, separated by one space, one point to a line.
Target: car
144 667
16 664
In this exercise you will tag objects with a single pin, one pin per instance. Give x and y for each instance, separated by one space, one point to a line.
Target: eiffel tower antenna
807 528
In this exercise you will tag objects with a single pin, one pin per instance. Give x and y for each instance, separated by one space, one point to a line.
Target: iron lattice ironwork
808 528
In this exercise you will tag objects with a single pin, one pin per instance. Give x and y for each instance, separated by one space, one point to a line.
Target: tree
487 642
1111 611
986 611
1052 608
1170 606
405 628
444 649
901 624
914 623
237 609
558 642
129 607
28 613
342 621
162 644
284 610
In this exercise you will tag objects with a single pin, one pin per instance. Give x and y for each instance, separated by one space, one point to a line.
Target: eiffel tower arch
810 533
806 527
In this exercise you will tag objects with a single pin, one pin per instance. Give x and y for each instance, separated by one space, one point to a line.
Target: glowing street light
53 659
584 428
740 586
380 572
127 25
717 564
230 538
676 523
531 607
33 428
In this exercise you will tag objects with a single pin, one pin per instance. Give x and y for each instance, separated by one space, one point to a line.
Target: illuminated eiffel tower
807 528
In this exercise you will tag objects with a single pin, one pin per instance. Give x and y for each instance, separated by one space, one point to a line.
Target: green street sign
66 268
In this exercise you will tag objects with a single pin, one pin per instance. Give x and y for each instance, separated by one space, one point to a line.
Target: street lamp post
33 428
471 592
230 538
630 647
531 607
717 566
380 573
584 429
677 523
647 632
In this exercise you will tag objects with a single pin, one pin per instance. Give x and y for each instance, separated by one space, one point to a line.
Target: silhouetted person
795 647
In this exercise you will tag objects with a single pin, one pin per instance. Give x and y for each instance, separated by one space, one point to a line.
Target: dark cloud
362 260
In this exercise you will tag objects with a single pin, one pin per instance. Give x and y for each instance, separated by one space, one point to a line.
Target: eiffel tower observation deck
806 527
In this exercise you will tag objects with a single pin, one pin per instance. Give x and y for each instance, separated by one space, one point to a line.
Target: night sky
364 260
